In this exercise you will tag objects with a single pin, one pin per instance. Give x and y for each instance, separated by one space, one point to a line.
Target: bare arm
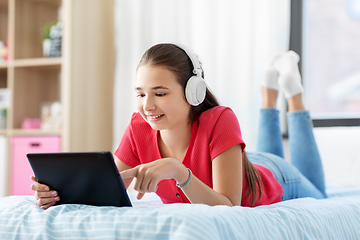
227 181
227 178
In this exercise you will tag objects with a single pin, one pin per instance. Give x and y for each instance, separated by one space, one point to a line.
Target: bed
337 217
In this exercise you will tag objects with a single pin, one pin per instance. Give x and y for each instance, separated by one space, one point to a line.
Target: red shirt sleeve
126 151
225 132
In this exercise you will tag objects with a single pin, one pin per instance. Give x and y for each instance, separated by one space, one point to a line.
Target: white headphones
195 89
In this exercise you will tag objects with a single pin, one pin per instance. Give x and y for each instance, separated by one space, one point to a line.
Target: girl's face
160 98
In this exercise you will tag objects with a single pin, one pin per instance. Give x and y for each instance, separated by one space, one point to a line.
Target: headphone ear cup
195 90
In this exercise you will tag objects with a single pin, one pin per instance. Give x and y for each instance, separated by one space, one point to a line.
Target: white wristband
187 182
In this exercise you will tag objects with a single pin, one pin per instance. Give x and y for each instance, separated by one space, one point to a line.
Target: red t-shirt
215 131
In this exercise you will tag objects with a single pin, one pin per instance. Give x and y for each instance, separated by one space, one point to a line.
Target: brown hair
253 179
176 60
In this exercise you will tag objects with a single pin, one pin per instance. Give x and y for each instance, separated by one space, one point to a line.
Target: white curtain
234 39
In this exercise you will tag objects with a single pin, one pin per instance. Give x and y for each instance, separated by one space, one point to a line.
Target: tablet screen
89 178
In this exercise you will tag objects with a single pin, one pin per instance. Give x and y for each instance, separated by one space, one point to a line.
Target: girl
185 147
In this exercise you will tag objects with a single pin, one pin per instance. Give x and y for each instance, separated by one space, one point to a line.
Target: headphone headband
193 57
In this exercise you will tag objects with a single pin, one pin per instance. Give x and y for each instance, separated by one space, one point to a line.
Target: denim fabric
304 177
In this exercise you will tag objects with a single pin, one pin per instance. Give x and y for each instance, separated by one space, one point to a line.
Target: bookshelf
81 79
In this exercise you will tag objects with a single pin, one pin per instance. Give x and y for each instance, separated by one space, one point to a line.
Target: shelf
31 16
3 65
33 132
52 2
36 86
32 62
37 62
76 80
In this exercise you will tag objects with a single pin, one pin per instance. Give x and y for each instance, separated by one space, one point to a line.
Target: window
326 33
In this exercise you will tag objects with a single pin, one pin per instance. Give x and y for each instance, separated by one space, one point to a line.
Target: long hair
176 60
253 179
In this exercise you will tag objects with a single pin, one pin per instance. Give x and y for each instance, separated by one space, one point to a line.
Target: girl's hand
44 197
150 174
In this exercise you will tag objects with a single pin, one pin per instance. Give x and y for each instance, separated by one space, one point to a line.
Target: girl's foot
271 76
289 76
270 85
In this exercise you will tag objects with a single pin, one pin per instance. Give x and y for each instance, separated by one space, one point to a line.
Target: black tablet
90 178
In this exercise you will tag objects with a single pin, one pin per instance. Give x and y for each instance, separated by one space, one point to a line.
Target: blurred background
331 58
235 41
77 94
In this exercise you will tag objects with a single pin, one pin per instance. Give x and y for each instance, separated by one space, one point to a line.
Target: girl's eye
139 95
160 94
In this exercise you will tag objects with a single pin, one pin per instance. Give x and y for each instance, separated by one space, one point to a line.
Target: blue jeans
304 176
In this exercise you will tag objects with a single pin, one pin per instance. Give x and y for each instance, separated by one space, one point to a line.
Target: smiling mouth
155 117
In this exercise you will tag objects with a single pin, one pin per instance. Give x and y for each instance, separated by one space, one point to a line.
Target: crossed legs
283 75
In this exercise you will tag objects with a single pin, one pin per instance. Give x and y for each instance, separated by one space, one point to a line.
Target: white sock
271 75
289 76
271 78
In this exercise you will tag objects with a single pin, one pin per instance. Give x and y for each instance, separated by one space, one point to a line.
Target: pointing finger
130 173
140 196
